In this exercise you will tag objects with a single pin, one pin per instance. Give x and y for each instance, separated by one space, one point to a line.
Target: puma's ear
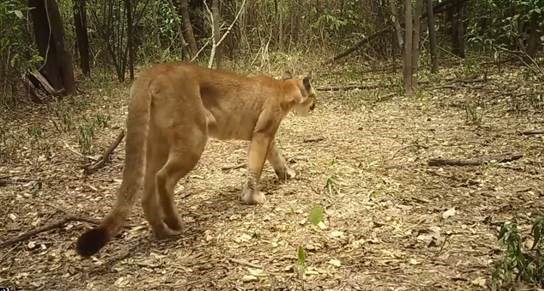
287 75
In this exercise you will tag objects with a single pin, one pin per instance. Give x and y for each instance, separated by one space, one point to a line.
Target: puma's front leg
279 164
258 149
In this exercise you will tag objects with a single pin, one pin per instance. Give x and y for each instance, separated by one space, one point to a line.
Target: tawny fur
174 108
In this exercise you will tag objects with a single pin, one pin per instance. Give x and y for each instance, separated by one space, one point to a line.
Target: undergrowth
520 264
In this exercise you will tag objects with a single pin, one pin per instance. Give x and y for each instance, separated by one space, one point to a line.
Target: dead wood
532 132
45 228
111 262
351 87
6 180
358 45
244 263
315 139
439 8
474 162
91 168
239 166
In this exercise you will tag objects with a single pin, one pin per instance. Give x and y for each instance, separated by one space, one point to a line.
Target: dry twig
244 263
45 228
315 139
474 162
91 168
532 132
239 166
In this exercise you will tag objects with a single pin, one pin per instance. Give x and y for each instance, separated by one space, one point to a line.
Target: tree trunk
408 34
49 35
130 38
188 33
82 38
432 36
279 15
217 32
458 29
416 38
533 39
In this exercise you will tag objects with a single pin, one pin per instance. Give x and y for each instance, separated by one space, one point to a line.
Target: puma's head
305 98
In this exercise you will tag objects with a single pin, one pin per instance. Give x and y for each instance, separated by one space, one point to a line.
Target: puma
174 108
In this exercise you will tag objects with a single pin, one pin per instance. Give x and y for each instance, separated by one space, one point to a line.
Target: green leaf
316 215
301 255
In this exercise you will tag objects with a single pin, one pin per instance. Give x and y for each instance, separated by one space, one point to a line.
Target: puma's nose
312 107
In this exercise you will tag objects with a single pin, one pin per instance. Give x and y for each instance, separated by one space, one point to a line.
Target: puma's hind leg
278 162
156 159
183 156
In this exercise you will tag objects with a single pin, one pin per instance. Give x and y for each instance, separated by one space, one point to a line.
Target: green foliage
301 256
87 130
316 215
501 23
17 55
36 132
519 264
331 185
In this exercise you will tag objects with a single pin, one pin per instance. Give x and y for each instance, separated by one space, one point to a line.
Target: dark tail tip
92 241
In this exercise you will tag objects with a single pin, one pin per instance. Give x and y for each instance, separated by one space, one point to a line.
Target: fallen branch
244 263
227 168
532 132
439 8
474 162
350 87
358 45
4 181
315 139
91 168
45 228
111 262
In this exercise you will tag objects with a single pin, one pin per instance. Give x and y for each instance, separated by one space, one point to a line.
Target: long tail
138 120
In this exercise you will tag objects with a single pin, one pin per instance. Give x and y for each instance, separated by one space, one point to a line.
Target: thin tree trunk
188 33
533 40
279 14
432 36
408 34
396 22
217 29
130 38
458 29
416 37
82 38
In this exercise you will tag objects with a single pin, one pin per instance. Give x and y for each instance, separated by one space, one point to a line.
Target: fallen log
474 162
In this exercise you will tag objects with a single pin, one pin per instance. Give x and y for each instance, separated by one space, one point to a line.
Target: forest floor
392 221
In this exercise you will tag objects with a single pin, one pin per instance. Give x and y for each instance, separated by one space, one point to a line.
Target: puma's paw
165 232
287 173
174 223
252 196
